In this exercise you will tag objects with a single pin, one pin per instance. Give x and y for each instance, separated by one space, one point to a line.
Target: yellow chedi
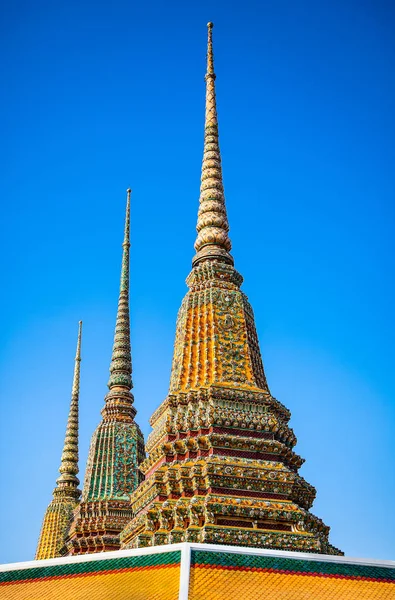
221 466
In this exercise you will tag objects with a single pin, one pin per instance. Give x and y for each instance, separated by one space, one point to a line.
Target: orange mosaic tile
223 584
160 583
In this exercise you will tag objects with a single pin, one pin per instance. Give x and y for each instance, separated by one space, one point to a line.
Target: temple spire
66 494
121 360
212 242
68 469
117 445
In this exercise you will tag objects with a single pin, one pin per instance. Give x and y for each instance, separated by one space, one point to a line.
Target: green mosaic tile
78 568
246 561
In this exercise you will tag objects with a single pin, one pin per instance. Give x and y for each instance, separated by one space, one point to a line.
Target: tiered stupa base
229 520
97 527
234 482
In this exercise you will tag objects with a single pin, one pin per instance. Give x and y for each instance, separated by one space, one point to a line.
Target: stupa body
221 466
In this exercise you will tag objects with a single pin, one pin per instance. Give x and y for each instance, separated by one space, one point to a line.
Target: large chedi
221 466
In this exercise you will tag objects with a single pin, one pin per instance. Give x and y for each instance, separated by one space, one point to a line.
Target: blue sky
102 96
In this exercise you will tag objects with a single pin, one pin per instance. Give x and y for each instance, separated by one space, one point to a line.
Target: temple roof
199 572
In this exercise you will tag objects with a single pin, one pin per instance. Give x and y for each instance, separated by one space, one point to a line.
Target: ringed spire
69 462
121 359
66 494
212 242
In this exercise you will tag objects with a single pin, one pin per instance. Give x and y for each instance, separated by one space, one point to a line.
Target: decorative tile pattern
221 576
133 578
216 340
214 574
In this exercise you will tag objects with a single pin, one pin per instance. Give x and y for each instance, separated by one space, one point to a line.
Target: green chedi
117 445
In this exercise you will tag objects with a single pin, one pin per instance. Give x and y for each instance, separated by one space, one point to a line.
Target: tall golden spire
121 360
66 493
212 241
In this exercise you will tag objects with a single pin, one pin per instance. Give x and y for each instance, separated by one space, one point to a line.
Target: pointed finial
212 242
76 378
210 57
126 239
68 481
121 360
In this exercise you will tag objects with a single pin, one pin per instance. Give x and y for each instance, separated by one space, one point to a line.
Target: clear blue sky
99 96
